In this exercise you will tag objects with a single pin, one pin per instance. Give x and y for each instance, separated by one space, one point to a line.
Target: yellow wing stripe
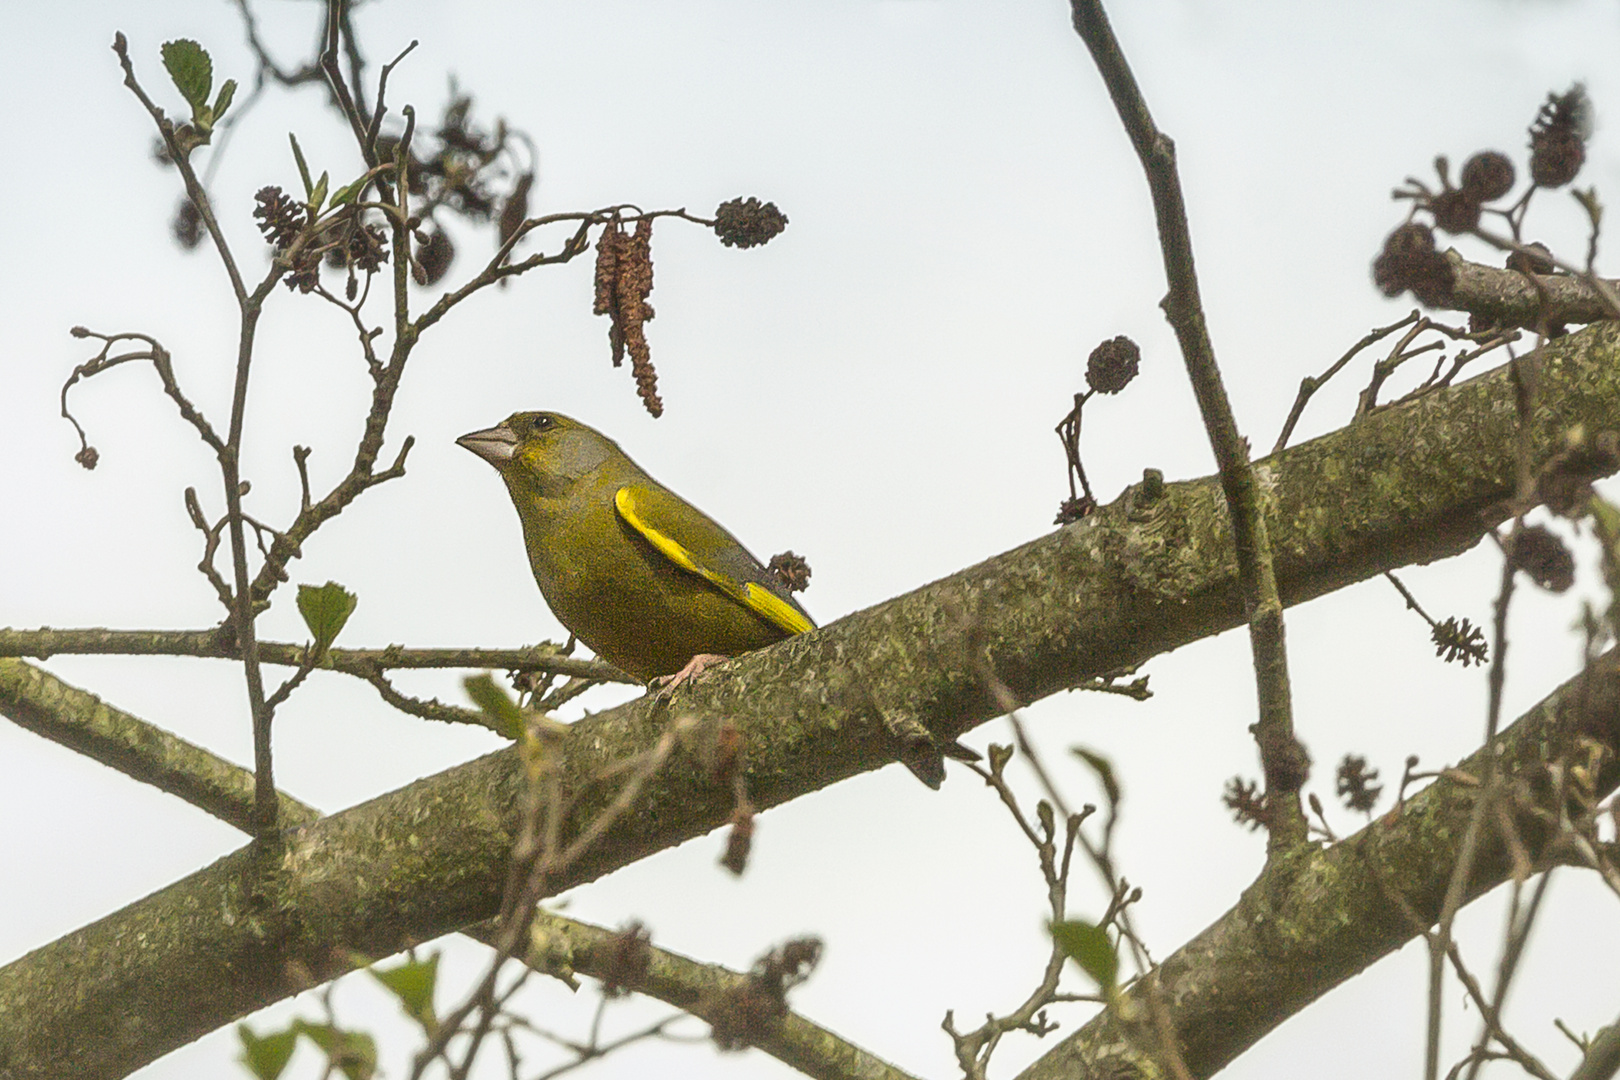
759 600
776 609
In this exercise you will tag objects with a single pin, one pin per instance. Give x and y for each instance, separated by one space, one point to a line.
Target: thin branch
1490 1013
181 158
205 566
1310 384
431 709
1512 298
44 643
161 362
1182 306
563 947
498 269
1602 1058
354 114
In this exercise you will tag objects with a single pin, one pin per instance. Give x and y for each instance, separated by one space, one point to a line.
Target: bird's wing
688 538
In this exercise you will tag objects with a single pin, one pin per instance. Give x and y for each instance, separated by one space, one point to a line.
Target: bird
646 580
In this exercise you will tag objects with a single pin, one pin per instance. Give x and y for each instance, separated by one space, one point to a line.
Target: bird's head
543 452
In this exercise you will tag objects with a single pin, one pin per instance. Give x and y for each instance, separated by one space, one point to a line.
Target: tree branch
46 642
1509 298
1137 578
1280 754
37 700
557 945
1319 917
563 946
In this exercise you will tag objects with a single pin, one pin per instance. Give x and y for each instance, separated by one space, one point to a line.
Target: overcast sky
875 389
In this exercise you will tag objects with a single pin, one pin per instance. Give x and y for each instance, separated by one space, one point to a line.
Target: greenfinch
648 581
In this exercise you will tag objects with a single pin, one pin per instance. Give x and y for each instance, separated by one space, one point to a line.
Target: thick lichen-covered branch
40 702
1411 483
1512 298
37 700
1319 917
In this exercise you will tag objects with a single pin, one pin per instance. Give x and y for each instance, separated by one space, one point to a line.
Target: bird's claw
663 685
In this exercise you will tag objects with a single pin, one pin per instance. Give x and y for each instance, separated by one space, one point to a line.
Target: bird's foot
664 684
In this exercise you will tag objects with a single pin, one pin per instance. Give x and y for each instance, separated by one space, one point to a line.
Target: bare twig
42 644
1310 384
974 1048
1280 750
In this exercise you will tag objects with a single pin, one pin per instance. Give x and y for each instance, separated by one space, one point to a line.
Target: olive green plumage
644 578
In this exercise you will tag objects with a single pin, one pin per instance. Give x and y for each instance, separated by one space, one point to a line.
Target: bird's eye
542 423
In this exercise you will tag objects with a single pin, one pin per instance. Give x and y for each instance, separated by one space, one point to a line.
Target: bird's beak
495 445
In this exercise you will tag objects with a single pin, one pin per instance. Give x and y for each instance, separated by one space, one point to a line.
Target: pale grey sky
875 389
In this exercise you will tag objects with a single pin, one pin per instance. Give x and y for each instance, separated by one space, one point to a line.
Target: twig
1182 306
974 1049
431 709
250 305
1602 1058
205 566
44 643
161 362
1440 941
1309 385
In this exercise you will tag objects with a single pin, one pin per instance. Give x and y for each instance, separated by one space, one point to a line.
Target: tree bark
1149 573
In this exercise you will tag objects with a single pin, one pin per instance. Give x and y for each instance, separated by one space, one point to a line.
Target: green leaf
1088 946
318 196
354 1053
412 982
223 100
303 166
325 609
1607 516
266 1056
349 192
1104 771
1043 810
191 69
495 704
1590 203
357 1058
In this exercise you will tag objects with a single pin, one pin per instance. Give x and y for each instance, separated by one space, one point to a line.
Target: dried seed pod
1410 261
1558 137
1249 807
1531 264
607 273
1565 483
739 841
631 288
791 570
747 223
187 225
1456 210
628 964
515 209
1488 175
1459 642
280 218
1544 558
433 258
1112 365
1356 785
